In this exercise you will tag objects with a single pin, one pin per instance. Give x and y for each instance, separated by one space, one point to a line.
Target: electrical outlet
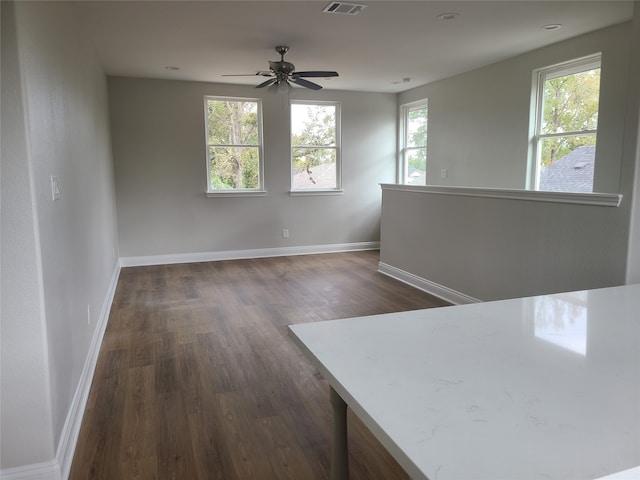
285 233
443 173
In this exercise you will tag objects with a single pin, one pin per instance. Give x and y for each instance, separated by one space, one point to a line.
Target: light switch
55 188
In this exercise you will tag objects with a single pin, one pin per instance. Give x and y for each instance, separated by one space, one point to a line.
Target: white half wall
160 172
496 248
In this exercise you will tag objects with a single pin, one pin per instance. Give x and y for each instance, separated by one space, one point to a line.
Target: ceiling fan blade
261 73
315 74
305 83
271 81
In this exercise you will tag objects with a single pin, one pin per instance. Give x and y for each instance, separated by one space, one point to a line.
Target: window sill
238 193
306 193
600 199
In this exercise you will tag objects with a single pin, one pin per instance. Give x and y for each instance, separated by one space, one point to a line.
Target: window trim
260 191
338 190
540 76
403 164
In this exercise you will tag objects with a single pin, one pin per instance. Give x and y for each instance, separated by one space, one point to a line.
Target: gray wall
479 121
489 248
160 172
633 131
57 257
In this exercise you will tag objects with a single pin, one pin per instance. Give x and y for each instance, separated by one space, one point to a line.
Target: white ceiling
373 51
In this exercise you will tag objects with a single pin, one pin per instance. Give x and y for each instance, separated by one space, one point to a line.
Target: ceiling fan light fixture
279 87
283 87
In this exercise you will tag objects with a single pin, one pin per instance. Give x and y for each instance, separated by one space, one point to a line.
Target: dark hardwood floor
197 378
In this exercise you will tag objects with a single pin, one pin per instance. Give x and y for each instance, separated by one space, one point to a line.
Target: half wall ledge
598 199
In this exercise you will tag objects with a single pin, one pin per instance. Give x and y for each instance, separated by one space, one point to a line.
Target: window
315 147
413 154
234 146
566 122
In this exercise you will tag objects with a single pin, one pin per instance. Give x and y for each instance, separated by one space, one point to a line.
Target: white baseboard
71 429
440 291
245 254
60 467
37 471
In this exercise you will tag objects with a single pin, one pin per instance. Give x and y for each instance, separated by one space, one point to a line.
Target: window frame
403 163
540 76
235 192
338 189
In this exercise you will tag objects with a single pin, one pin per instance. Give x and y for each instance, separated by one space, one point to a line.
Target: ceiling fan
283 74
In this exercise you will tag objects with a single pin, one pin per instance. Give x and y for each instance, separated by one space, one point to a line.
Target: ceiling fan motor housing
282 67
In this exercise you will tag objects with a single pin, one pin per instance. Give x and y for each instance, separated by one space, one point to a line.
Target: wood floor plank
138 448
198 379
173 443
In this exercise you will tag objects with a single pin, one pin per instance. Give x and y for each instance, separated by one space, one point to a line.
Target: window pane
565 131
417 127
313 125
314 146
314 168
414 143
568 163
556 148
416 166
571 102
234 168
232 122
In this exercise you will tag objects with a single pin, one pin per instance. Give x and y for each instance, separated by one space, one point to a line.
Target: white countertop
543 387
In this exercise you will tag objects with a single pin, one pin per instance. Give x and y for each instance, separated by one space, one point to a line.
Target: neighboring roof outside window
571 173
416 177
318 176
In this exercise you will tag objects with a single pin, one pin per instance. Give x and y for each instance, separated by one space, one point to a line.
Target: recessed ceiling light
171 67
448 16
552 26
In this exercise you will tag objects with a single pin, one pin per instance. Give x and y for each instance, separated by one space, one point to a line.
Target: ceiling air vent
344 8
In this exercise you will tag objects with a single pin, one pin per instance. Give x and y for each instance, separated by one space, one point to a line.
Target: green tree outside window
233 140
